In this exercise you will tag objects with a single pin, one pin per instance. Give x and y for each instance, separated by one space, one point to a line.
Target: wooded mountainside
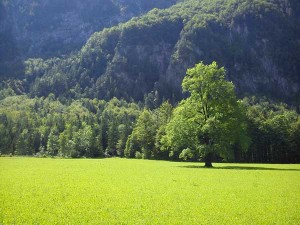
43 28
256 41
64 64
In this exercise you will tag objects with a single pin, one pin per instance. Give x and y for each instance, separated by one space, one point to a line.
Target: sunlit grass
121 191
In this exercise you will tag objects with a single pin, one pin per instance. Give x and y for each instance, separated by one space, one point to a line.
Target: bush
186 154
139 155
74 154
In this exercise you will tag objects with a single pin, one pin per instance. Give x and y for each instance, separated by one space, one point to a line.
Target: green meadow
123 191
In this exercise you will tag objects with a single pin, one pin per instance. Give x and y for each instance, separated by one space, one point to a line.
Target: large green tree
210 121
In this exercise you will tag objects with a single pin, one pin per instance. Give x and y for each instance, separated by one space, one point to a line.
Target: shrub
139 155
186 154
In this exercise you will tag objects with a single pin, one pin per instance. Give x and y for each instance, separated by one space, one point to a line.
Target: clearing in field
121 191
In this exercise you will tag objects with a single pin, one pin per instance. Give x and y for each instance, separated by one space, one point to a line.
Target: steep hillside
257 41
44 28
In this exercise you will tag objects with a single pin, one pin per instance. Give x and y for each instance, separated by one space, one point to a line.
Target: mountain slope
44 28
257 42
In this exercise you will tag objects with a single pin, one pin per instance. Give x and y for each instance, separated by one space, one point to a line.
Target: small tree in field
210 121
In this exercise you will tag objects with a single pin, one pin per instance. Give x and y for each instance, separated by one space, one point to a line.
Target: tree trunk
208 164
208 159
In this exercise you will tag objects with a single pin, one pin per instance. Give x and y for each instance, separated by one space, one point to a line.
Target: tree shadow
237 168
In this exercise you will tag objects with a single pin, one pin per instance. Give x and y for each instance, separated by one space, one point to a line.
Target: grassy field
121 191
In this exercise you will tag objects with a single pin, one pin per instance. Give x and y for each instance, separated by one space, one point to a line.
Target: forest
124 86
247 130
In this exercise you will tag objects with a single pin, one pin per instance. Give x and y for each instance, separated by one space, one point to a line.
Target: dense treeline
90 128
96 128
275 132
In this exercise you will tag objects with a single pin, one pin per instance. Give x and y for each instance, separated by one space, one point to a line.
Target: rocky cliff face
257 42
48 28
259 49
51 28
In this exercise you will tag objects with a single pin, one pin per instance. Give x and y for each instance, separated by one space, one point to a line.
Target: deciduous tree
210 121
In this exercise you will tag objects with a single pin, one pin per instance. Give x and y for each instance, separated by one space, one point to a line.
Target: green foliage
139 155
210 121
132 146
24 144
48 127
273 128
6 93
144 131
95 128
148 131
53 142
186 154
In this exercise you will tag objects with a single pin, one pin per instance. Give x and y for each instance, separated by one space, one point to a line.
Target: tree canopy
210 121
